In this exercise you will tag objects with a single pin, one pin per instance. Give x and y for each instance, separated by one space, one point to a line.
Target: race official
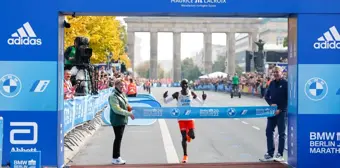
276 95
119 113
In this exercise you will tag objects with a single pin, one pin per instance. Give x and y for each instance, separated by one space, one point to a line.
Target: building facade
272 32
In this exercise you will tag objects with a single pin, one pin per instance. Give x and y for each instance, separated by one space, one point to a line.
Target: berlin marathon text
324 150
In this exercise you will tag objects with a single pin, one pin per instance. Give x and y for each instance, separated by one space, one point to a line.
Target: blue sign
318 129
29 133
32 45
16 87
26 159
1 136
203 112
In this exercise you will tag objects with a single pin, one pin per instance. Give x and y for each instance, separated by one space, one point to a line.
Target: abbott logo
26 36
329 40
24 131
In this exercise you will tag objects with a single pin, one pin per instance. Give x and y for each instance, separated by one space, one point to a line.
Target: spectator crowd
101 78
254 83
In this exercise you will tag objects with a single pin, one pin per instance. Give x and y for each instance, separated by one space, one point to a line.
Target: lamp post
109 56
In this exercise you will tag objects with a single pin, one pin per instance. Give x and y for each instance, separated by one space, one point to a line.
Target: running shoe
185 159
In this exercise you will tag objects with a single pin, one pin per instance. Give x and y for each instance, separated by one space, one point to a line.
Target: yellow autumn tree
104 33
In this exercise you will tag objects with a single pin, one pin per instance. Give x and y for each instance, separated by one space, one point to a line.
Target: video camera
85 76
83 50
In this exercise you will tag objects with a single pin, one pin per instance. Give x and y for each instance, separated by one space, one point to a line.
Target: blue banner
26 159
83 108
318 128
203 112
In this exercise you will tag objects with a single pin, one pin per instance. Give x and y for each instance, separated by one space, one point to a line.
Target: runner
187 126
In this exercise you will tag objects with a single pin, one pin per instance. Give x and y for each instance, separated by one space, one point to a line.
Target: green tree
161 72
104 33
143 70
167 74
219 64
239 70
123 36
285 42
189 70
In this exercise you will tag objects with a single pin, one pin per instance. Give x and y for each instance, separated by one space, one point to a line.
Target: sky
190 44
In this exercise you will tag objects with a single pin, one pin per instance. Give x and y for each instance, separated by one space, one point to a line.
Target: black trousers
119 131
280 122
132 95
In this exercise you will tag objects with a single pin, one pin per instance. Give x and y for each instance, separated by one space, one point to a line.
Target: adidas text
329 40
24 41
327 45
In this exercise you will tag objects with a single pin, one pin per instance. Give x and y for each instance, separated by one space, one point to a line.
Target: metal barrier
82 115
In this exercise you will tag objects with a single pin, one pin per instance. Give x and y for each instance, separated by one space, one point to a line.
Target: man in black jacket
277 95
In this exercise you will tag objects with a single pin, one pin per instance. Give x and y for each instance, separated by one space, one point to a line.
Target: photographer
70 56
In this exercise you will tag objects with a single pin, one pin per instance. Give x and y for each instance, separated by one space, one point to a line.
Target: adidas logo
329 40
24 36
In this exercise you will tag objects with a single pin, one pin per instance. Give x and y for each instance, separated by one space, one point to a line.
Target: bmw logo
10 86
175 112
316 89
231 112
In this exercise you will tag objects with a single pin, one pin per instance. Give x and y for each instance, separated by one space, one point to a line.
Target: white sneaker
279 158
118 161
267 158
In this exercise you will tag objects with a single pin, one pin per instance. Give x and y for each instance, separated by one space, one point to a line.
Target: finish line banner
203 112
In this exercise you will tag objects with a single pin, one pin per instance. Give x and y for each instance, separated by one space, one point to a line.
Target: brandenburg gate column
208 52
153 54
231 53
131 49
176 57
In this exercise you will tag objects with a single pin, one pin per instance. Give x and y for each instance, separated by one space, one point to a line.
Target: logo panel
231 112
24 36
13 132
316 89
40 86
175 112
10 86
329 40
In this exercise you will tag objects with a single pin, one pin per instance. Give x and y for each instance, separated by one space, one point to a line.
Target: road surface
217 140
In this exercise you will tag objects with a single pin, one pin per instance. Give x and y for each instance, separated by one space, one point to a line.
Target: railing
83 114
220 88
228 87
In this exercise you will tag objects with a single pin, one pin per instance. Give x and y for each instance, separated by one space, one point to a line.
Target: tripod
82 84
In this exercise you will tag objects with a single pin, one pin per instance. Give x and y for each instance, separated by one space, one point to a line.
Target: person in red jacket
132 89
